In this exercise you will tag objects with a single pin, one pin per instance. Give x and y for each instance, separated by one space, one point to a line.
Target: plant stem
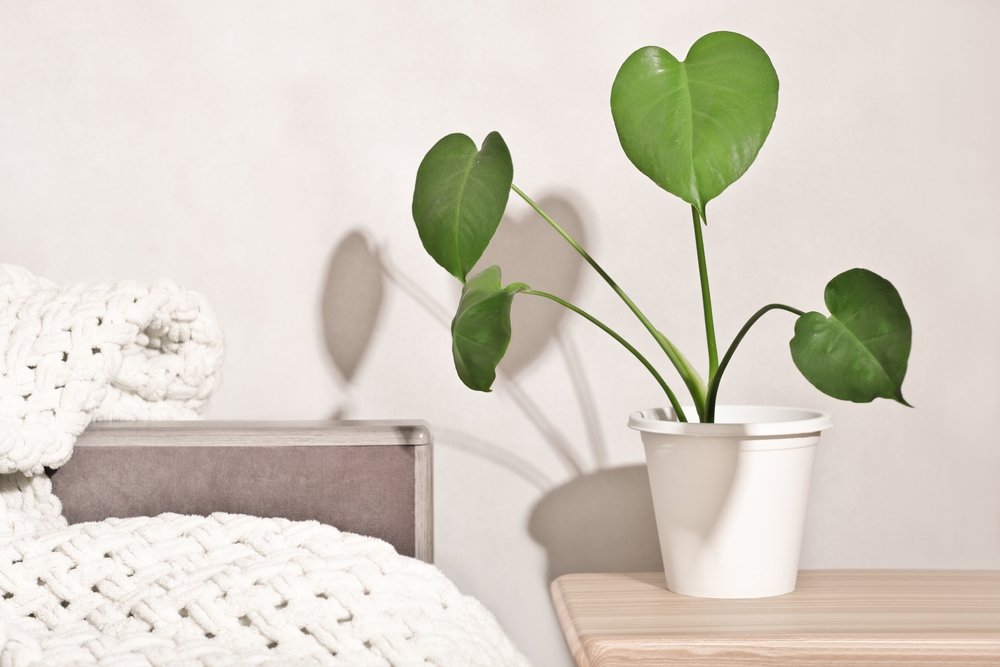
670 395
706 298
713 385
693 381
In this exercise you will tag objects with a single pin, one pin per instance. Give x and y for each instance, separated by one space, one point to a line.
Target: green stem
670 395
687 372
706 298
713 385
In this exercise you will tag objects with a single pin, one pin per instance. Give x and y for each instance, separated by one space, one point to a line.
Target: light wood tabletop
834 617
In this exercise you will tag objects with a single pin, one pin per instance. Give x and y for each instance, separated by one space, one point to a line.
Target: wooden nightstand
834 617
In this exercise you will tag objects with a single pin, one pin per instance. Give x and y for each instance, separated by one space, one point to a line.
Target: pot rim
736 420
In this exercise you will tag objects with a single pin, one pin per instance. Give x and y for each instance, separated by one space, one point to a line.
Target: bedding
178 590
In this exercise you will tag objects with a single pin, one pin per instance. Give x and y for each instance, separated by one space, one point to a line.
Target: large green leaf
459 198
480 331
860 352
694 127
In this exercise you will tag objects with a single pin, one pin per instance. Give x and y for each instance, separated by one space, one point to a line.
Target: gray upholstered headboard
367 477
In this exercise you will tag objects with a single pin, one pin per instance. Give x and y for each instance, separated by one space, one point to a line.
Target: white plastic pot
730 497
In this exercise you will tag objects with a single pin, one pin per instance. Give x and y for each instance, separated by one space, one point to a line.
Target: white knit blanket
173 590
122 351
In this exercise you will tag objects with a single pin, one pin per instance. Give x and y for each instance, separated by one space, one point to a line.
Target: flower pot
730 497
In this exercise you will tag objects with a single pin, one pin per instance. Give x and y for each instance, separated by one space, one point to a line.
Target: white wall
233 145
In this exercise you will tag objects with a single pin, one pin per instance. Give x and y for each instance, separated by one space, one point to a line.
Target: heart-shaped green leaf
459 198
860 352
694 127
480 332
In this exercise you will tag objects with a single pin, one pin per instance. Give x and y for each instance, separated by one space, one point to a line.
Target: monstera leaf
694 127
528 250
459 198
858 353
480 332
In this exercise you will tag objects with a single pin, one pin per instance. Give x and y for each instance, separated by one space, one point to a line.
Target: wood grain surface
834 617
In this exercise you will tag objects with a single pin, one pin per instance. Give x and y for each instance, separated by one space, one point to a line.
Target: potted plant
729 490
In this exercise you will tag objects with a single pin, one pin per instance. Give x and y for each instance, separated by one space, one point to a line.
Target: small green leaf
459 198
480 331
860 352
694 127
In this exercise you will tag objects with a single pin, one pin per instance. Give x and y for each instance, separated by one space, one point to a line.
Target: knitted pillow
119 351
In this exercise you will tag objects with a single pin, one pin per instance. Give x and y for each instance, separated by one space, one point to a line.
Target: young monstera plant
693 127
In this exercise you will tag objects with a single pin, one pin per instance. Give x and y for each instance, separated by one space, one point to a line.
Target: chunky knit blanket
121 351
173 590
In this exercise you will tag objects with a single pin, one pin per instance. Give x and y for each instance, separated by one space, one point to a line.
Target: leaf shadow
528 250
350 306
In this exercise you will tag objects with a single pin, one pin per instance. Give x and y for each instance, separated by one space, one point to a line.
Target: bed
240 543
368 477
132 535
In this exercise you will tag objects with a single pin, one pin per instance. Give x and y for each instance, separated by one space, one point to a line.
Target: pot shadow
599 522
350 306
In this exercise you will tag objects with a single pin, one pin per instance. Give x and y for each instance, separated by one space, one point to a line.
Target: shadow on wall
601 520
351 303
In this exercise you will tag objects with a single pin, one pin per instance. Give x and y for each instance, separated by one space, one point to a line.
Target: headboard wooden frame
368 477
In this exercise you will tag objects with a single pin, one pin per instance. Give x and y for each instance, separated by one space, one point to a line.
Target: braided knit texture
227 590
120 351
